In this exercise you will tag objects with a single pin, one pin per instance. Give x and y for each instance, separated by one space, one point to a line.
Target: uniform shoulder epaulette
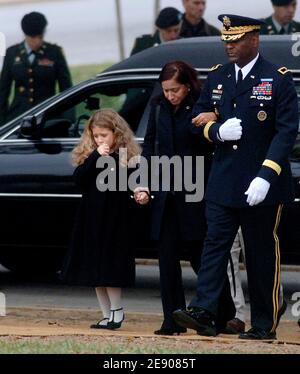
283 70
215 67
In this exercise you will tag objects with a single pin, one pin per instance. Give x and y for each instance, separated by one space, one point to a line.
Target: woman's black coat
174 137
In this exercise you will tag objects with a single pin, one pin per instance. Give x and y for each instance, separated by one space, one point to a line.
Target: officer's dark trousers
170 251
259 227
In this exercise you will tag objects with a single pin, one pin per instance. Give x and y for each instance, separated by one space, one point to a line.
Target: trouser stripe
277 270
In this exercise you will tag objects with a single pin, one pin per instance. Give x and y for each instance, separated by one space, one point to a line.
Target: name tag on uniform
217 93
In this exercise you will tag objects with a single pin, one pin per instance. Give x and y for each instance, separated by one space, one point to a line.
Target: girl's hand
203 118
103 149
140 196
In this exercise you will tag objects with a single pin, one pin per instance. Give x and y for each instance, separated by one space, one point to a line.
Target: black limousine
38 198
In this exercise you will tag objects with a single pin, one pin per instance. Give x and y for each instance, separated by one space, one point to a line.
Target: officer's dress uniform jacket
270 29
33 82
265 103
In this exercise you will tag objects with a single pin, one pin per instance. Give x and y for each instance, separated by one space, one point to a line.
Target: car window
67 118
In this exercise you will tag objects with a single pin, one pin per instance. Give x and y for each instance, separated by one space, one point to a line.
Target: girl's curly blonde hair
107 119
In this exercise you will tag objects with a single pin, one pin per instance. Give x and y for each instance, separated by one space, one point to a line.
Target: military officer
34 67
282 20
193 23
250 179
168 25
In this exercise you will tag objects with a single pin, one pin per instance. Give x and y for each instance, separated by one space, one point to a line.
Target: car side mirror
93 103
28 128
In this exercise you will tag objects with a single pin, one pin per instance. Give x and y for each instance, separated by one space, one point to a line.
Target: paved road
145 297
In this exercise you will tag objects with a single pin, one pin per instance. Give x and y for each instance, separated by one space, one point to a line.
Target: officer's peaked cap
168 17
34 24
235 27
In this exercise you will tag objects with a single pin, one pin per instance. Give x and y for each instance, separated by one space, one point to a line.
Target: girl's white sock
115 298
104 303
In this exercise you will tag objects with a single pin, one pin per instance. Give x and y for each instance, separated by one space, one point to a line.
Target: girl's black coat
100 252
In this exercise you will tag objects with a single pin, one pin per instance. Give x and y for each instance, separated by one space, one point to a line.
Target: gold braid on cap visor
237 32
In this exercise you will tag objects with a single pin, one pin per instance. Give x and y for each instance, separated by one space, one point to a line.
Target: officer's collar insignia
226 22
23 51
252 76
283 70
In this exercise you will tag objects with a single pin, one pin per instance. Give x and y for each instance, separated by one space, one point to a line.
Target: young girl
100 252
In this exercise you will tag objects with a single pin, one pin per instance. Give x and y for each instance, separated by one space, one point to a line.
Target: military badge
262 116
226 22
264 90
18 59
45 62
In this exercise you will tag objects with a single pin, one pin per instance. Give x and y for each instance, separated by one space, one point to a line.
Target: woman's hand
141 195
203 118
103 149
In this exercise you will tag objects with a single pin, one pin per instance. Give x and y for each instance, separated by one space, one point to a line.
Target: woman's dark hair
183 73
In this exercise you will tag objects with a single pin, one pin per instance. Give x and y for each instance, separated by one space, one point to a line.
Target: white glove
231 129
257 191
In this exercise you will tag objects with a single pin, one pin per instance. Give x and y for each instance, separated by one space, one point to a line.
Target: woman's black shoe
170 331
98 326
112 325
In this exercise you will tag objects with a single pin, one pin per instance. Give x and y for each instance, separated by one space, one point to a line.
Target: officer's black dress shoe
170 331
196 319
258 334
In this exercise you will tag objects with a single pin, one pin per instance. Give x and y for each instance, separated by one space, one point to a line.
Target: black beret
281 2
33 24
235 27
168 17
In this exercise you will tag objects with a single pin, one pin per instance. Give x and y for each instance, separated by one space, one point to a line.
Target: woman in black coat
176 223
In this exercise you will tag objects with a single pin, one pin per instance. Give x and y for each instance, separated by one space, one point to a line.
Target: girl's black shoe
112 325
98 326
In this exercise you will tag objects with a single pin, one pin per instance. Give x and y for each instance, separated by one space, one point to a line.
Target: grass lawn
100 345
82 72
